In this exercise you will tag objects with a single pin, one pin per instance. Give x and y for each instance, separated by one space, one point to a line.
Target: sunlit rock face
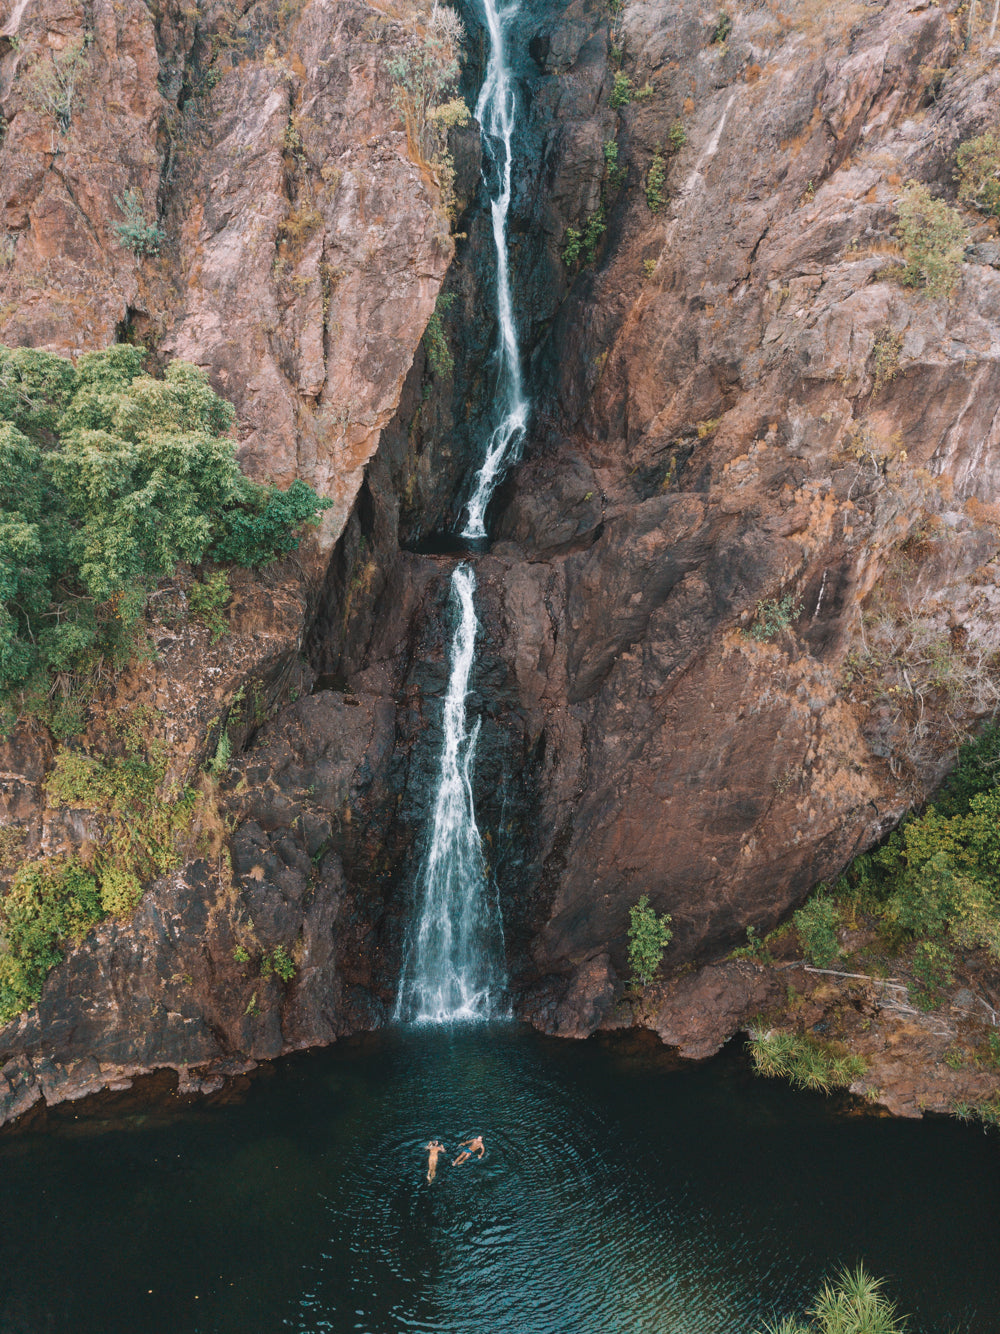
302 247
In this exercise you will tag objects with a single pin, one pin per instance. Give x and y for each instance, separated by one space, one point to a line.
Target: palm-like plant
853 1303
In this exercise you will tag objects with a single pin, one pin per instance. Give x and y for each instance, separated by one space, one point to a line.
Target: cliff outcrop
741 634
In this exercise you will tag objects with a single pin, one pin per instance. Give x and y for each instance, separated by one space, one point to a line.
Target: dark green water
620 1195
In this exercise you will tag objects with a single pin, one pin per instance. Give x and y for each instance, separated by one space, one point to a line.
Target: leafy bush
677 137
48 903
593 233
773 615
654 183
617 171
622 92
852 1304
723 27
138 819
932 968
804 1060
936 879
108 479
648 937
572 246
208 601
934 240
976 770
817 922
135 233
584 244
439 357
52 901
279 962
979 172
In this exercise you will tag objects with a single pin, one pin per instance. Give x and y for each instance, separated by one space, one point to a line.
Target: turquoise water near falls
620 1194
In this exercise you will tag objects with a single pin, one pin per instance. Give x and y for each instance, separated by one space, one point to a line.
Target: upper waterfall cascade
454 962
496 112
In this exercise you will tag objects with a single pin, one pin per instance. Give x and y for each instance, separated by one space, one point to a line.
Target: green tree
934 239
108 479
648 937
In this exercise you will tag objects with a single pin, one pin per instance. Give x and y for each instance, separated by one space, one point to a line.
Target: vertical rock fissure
454 962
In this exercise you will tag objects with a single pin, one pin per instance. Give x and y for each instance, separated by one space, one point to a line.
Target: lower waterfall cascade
454 963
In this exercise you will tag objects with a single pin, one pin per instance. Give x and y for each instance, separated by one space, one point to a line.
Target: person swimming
433 1149
469 1147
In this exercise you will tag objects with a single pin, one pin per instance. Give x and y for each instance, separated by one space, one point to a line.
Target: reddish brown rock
302 247
700 1011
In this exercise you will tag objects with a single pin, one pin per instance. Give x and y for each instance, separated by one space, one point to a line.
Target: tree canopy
109 478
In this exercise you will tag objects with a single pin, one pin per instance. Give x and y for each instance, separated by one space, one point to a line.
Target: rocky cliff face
741 597
301 246
756 506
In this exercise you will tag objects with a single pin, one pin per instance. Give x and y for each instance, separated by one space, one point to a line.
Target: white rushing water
454 964
496 113
454 959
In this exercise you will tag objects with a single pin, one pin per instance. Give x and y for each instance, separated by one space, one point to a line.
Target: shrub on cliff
137 818
979 172
50 84
48 904
817 922
108 479
934 239
648 937
936 879
134 232
424 75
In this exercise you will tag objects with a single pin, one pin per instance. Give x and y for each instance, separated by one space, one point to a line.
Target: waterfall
454 958
495 111
454 962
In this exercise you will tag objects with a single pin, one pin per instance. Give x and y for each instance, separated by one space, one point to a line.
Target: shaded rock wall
302 248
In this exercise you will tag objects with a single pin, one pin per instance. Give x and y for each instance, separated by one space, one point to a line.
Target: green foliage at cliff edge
109 478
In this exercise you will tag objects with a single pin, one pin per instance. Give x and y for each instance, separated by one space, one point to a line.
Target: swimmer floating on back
469 1147
433 1149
